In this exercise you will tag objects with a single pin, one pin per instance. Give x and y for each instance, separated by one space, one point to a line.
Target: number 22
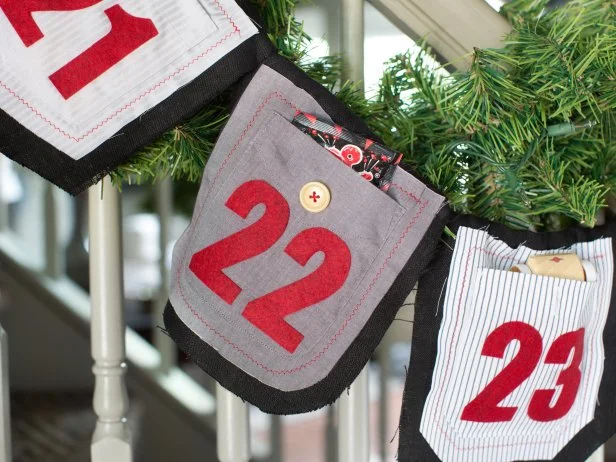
268 312
485 408
127 34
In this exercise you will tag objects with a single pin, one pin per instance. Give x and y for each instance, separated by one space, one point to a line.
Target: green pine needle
479 136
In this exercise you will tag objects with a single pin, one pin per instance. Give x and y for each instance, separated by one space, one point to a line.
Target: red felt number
268 312
484 408
19 14
207 264
127 34
569 378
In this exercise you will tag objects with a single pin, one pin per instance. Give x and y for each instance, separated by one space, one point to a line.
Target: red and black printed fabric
508 366
369 159
86 83
293 265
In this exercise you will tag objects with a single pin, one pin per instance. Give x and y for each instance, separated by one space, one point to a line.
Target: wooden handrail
452 28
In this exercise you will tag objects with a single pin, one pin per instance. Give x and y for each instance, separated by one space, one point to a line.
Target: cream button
314 197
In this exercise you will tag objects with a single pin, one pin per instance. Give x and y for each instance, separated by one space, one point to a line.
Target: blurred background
44 304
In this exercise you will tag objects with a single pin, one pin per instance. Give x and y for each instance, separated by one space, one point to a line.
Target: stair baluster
353 406
5 414
111 440
233 431
163 197
598 455
4 206
54 264
353 421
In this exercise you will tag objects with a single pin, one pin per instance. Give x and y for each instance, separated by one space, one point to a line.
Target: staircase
55 327
47 317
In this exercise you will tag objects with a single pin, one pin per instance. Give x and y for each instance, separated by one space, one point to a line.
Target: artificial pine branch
485 137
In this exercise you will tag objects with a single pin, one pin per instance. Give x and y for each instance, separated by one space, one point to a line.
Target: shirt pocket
279 161
292 288
520 357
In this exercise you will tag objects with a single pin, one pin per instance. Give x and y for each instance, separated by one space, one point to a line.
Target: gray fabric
380 229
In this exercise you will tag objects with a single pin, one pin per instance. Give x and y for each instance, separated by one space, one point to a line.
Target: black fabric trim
24 147
428 318
335 108
348 367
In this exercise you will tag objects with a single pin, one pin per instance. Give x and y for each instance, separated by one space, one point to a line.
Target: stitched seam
422 207
471 252
408 193
340 330
236 31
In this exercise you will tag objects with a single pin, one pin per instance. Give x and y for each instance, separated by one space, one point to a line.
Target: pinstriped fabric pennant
84 83
516 371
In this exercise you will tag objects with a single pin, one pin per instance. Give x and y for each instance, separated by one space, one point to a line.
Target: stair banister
111 440
452 28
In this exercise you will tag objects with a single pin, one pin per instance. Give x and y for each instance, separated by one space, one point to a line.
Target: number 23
485 408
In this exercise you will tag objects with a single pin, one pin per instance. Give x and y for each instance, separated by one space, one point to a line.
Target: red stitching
454 344
462 448
422 207
236 30
408 193
33 109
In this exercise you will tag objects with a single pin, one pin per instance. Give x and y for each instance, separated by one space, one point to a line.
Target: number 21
127 34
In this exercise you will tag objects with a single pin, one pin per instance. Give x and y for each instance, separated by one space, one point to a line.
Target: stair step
55 426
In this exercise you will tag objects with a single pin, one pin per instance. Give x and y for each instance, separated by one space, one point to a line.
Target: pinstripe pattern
481 296
192 36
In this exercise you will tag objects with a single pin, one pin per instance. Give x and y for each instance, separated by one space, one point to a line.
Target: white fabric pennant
520 356
74 78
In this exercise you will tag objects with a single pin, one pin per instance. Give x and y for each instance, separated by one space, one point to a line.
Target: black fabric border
24 147
428 318
344 372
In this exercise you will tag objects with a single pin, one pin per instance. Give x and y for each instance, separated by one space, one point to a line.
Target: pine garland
527 136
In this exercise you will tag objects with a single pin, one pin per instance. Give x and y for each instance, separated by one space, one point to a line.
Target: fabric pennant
85 84
513 354
293 265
